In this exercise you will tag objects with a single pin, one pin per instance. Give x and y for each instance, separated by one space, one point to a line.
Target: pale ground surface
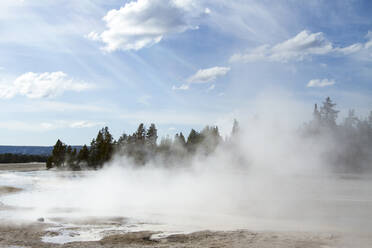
22 167
30 235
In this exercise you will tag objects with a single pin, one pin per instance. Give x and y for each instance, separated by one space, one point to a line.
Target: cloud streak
203 76
320 83
47 126
182 87
208 75
298 48
301 47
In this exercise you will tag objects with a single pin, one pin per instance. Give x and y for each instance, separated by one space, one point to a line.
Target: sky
69 68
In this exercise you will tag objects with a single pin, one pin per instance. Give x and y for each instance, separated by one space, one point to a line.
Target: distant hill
30 150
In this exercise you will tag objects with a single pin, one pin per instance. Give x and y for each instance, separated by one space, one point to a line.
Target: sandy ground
30 236
23 167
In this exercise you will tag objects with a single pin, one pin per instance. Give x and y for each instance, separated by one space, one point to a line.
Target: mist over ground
270 175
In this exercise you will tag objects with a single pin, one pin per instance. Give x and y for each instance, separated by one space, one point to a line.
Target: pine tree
235 128
182 140
49 163
140 134
316 115
101 148
179 139
328 114
152 136
58 154
83 155
193 140
351 120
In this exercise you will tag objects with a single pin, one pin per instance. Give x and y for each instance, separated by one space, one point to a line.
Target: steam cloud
268 178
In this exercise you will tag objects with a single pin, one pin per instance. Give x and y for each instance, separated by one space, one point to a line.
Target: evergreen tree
210 139
49 163
123 140
182 139
351 120
328 114
101 148
69 156
235 128
140 134
193 140
165 146
152 136
316 115
179 139
58 154
83 155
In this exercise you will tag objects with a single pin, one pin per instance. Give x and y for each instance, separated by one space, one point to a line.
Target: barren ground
29 235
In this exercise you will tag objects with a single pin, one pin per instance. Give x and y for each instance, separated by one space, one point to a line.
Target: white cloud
303 45
47 126
93 36
351 49
142 23
182 87
42 85
320 82
85 124
60 124
204 76
208 75
360 51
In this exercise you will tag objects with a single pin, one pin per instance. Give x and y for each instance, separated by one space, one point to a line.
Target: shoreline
35 166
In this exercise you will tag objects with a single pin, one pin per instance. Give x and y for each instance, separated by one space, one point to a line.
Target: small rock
41 219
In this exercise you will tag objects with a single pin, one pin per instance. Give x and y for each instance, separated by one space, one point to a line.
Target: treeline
141 146
21 158
350 140
346 145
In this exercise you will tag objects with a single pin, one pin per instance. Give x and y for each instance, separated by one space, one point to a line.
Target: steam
267 178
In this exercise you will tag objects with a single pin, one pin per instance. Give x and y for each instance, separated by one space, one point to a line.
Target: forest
352 139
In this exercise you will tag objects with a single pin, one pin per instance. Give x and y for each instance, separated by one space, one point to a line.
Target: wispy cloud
208 75
301 47
84 124
204 76
320 83
47 126
182 87
42 85
361 51
168 117
142 23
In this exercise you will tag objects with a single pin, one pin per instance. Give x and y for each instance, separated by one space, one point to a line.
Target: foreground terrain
30 236
353 228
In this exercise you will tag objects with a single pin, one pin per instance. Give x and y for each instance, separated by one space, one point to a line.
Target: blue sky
68 68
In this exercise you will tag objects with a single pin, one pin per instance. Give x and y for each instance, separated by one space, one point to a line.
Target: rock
41 219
